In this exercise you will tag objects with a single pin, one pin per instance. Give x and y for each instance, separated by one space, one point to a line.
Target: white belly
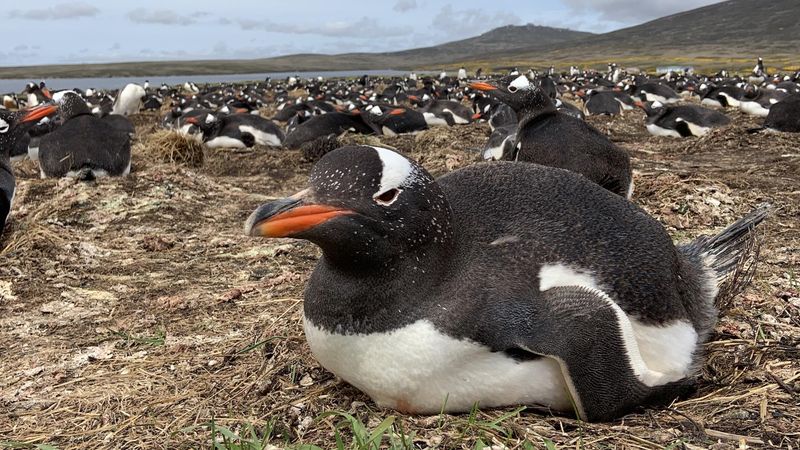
262 137
225 142
656 130
754 109
432 120
419 369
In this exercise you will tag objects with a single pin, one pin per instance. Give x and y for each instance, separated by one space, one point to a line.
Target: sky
89 31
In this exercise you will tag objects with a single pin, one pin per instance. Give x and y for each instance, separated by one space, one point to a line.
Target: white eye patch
521 82
4 126
396 169
210 118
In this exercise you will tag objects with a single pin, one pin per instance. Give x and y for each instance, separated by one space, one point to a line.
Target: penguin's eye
512 89
388 197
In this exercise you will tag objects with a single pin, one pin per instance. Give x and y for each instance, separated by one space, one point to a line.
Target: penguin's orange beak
289 216
477 116
481 86
397 112
39 112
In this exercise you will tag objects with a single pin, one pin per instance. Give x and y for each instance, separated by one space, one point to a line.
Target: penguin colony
585 304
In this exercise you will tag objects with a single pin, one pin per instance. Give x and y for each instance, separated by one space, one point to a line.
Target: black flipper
587 336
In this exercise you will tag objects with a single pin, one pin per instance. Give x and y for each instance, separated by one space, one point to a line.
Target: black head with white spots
70 105
14 124
517 92
363 205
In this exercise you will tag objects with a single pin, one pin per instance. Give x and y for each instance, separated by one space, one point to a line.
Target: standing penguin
129 100
548 137
13 127
84 146
498 284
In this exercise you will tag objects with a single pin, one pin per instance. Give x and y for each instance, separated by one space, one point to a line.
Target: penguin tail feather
86 174
755 130
732 254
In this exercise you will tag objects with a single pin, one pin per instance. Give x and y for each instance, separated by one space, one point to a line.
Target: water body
17 85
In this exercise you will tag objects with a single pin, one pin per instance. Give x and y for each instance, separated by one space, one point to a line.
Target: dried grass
135 314
174 148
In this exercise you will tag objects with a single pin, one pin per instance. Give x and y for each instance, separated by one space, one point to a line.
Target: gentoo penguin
654 92
120 123
681 120
783 116
129 100
548 137
759 74
237 130
500 145
84 146
723 96
331 123
569 109
37 94
757 102
13 126
393 121
495 112
603 103
446 112
498 284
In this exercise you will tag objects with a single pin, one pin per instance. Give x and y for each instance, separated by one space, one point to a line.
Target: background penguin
238 131
500 145
13 127
757 102
496 113
129 100
331 123
446 112
84 146
654 92
569 109
602 103
545 136
682 120
582 301
394 121
783 116
723 96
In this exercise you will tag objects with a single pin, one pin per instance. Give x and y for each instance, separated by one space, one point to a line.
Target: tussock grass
175 148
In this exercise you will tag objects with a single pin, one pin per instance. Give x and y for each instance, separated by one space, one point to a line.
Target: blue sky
57 31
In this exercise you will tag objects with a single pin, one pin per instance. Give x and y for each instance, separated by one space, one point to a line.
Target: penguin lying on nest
499 284
551 138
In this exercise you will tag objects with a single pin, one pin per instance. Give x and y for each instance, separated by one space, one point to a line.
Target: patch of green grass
16 444
132 340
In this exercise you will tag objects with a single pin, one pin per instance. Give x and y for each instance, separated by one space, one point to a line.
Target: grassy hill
729 34
504 39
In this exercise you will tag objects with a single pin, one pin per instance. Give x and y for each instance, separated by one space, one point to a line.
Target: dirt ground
134 313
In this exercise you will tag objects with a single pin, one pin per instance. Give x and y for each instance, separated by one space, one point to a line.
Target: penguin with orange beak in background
548 137
14 126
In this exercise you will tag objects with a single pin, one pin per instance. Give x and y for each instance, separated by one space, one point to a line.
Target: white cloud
60 11
363 29
405 5
159 17
633 10
470 22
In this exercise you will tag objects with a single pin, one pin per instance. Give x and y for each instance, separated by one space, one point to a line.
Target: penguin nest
171 147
